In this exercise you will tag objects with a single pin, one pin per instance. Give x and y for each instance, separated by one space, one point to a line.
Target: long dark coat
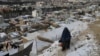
65 39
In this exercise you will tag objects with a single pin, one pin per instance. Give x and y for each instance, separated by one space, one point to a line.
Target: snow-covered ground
84 45
81 46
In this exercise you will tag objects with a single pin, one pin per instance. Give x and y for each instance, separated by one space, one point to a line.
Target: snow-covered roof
56 33
4 25
31 36
2 34
87 18
0 15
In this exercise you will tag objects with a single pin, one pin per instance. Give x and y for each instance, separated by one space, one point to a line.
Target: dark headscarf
65 35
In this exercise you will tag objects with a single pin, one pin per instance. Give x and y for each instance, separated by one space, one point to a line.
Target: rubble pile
46 27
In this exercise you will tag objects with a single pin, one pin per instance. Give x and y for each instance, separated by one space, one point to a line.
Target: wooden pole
36 47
